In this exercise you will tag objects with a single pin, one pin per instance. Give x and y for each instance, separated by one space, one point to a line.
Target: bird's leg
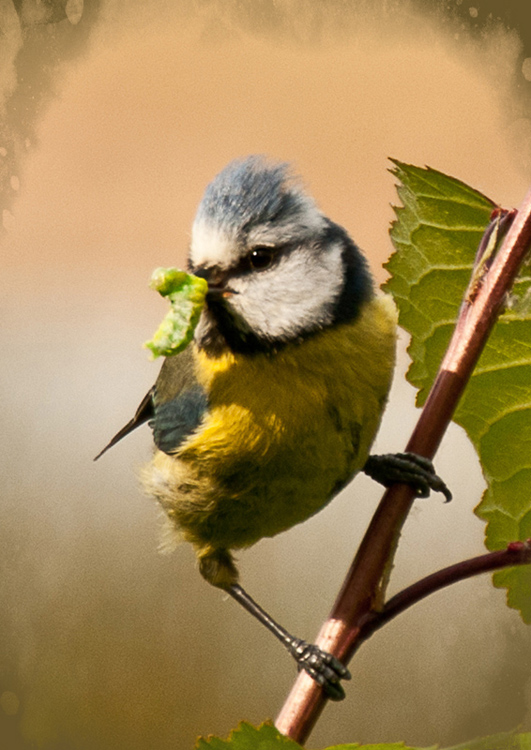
324 668
217 566
406 468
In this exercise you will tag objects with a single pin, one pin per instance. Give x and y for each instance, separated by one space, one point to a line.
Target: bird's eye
261 257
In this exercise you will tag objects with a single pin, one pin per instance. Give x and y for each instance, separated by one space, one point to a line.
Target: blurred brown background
115 115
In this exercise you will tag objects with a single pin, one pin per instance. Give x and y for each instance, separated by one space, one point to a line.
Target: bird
273 407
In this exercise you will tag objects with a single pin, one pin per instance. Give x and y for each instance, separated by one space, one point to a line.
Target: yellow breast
283 434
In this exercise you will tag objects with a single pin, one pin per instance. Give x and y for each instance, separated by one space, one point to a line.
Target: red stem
516 553
341 632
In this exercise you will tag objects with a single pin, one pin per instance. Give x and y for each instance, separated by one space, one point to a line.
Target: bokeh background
115 115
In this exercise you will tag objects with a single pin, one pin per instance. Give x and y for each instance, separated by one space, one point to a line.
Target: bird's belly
283 435
237 494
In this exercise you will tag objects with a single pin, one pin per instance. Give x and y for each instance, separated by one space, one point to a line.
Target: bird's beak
215 291
217 282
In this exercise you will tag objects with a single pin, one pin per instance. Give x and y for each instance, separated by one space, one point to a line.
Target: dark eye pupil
261 257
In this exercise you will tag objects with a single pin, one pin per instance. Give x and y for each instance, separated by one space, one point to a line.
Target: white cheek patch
295 296
211 246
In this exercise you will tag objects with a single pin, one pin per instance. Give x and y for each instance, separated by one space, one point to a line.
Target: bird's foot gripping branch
406 468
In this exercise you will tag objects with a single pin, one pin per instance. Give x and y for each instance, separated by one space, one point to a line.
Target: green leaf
380 746
247 737
266 737
503 741
436 235
186 294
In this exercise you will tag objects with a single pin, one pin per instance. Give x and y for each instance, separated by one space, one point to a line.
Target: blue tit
273 408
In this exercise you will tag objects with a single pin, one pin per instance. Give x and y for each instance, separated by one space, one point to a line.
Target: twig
366 579
516 553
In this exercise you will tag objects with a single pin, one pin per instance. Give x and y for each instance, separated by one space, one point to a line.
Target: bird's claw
325 669
406 468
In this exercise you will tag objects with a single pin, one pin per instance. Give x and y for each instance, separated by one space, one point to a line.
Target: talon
324 668
406 468
334 691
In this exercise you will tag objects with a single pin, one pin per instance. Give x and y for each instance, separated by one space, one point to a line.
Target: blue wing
174 407
178 413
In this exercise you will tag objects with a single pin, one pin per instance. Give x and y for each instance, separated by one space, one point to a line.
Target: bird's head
278 270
